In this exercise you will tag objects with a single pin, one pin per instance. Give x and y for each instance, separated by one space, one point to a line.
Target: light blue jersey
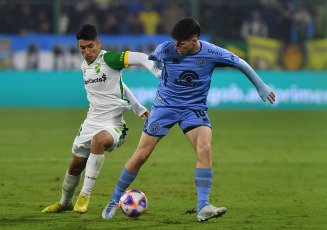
185 79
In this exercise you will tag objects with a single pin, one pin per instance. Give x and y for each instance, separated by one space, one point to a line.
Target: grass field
270 170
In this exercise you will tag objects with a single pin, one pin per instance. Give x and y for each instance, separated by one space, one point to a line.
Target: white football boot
209 211
109 211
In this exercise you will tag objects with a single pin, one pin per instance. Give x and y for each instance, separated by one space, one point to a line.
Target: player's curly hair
87 32
185 29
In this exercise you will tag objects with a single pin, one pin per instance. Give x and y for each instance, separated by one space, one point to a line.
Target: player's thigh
160 121
147 144
101 140
200 138
113 135
118 134
192 119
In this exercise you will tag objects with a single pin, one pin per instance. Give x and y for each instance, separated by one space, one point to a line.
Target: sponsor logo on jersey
165 51
201 62
175 61
187 78
215 52
96 80
121 58
97 68
158 98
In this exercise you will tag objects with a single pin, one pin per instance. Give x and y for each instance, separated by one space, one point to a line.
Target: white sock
68 188
93 166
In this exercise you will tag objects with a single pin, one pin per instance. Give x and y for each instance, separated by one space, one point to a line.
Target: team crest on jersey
201 62
97 68
154 127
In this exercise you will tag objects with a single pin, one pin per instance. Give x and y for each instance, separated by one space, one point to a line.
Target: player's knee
204 149
141 156
76 169
102 140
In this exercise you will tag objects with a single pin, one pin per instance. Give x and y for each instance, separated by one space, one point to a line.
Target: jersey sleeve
116 60
225 58
157 55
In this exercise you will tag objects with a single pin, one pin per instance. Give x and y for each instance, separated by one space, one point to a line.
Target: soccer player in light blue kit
188 64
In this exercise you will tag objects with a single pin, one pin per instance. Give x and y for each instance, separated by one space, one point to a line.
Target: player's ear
194 40
99 43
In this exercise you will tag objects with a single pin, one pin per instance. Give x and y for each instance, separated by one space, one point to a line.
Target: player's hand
145 115
266 93
271 97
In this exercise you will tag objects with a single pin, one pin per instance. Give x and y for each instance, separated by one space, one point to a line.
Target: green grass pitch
270 170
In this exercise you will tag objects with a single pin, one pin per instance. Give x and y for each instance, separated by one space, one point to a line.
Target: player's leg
130 171
99 143
71 181
197 127
155 127
200 139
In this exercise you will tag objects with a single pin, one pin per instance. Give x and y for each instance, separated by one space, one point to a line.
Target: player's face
186 47
89 49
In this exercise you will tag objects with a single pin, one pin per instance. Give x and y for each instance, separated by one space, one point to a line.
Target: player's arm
137 58
263 90
120 60
138 109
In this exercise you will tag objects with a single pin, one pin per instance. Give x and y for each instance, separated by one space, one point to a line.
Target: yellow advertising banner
317 54
263 53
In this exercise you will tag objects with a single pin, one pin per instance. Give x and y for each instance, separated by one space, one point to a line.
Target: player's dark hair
185 29
87 32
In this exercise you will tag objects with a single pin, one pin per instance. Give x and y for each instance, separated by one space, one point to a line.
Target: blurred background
286 39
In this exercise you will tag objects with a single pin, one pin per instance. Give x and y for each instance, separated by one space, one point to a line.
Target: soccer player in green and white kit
104 128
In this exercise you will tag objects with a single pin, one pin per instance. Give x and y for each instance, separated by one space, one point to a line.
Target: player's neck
196 48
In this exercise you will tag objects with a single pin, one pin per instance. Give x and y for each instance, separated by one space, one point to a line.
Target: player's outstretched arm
263 90
138 109
137 58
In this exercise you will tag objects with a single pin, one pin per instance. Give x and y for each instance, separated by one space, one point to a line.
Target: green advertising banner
230 89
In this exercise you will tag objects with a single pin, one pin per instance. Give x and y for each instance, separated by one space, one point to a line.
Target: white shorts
82 143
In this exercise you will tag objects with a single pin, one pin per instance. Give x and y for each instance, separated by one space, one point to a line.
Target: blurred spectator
63 22
91 19
131 25
302 29
32 62
44 25
149 18
135 6
232 15
269 13
284 23
9 25
27 21
111 25
59 57
255 26
207 21
170 14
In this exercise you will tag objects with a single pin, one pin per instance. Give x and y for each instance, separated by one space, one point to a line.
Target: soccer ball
133 203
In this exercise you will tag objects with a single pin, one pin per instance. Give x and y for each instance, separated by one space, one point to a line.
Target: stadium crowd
284 20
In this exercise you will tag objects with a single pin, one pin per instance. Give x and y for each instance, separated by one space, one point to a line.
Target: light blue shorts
162 119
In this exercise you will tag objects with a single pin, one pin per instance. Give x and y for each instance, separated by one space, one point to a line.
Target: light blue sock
203 179
125 179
